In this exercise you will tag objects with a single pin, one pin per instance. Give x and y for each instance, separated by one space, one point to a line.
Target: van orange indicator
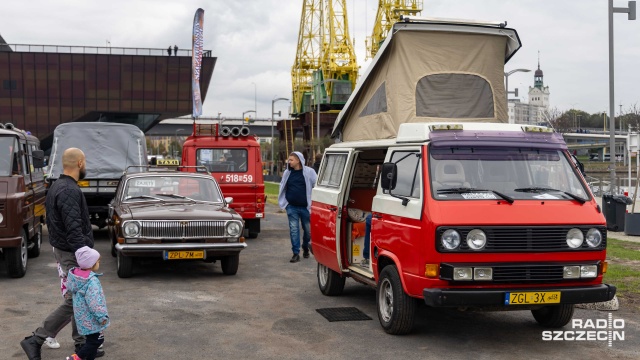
431 270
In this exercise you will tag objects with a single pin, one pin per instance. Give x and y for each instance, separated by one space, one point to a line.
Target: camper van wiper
546 189
460 190
141 197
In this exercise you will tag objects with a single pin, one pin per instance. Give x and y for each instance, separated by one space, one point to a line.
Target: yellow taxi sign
168 162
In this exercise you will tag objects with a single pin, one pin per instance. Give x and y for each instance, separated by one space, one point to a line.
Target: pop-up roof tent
431 70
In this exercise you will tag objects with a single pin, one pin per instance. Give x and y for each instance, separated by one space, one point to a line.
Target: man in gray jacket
295 197
69 227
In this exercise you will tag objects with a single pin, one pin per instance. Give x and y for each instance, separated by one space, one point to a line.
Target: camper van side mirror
38 158
389 176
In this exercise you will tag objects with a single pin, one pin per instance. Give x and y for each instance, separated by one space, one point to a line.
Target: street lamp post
273 114
246 112
631 12
255 99
506 81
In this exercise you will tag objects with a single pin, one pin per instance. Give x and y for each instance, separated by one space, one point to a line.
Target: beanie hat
87 257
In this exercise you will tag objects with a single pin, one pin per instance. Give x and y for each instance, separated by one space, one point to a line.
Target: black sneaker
305 253
32 347
99 353
295 258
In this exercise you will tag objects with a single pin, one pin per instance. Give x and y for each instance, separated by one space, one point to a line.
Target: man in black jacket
69 226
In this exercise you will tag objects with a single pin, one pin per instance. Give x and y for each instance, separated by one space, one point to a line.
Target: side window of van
408 163
331 174
25 160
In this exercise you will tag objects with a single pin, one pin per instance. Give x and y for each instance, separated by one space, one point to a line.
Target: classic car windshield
171 188
518 173
7 144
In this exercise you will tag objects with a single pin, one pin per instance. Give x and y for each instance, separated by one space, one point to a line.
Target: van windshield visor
171 188
7 145
223 160
517 173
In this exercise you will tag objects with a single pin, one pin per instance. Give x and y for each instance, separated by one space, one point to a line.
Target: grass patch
624 268
271 189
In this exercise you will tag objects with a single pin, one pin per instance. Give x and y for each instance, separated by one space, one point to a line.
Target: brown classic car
174 216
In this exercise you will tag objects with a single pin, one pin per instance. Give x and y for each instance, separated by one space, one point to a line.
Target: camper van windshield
7 146
520 173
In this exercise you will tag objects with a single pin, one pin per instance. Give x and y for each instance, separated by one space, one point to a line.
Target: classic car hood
179 211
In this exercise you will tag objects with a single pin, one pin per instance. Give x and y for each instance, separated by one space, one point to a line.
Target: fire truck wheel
230 264
36 243
329 281
396 310
124 266
554 316
17 258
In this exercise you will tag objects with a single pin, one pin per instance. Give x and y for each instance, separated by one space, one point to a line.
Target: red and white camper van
233 158
466 210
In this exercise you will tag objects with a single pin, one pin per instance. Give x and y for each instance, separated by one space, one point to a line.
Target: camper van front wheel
36 243
554 316
329 281
17 258
396 310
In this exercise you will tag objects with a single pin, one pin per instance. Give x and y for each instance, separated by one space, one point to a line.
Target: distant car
174 216
594 157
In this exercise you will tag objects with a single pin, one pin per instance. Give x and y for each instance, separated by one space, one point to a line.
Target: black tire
252 235
17 258
230 264
329 281
555 316
396 310
112 241
36 243
124 265
253 227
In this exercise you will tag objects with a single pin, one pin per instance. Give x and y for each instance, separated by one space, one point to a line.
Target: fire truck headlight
462 273
450 239
594 238
588 271
574 238
571 272
483 274
476 239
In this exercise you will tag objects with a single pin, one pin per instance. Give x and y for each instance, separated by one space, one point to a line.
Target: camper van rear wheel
230 264
124 266
17 258
555 316
36 243
329 281
396 310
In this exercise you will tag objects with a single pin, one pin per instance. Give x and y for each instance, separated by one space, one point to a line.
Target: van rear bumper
496 297
10 242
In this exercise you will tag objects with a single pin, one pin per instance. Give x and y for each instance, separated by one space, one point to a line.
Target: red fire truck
233 158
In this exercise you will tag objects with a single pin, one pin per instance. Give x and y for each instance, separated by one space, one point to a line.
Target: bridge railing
104 50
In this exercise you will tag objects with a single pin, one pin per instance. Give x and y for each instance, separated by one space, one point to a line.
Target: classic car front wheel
230 264
125 266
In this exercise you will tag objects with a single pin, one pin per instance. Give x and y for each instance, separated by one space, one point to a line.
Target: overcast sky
255 41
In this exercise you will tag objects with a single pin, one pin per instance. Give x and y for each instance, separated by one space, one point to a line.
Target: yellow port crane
325 70
389 12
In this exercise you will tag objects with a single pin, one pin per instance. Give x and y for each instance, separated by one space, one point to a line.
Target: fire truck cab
461 208
234 160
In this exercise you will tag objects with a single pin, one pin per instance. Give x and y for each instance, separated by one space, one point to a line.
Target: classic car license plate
525 298
180 255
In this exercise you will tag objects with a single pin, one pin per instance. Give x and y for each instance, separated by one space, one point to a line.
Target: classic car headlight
132 228
450 239
233 228
574 238
1 218
476 239
594 238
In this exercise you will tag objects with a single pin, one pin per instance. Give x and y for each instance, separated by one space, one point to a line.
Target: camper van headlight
131 228
450 239
575 238
233 228
476 239
594 238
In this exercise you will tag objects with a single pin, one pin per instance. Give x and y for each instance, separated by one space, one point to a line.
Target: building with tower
534 111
